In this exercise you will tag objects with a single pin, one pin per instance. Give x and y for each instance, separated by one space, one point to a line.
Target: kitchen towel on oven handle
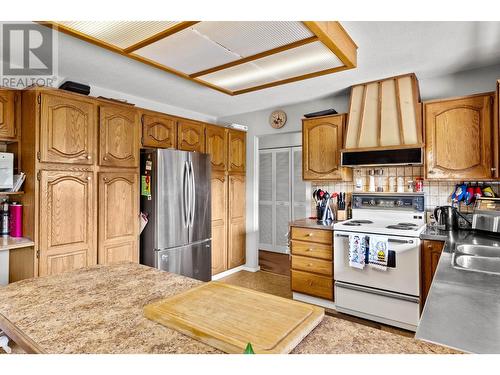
357 250
378 252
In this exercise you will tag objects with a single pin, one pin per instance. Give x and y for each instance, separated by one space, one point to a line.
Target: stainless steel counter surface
433 233
312 223
462 310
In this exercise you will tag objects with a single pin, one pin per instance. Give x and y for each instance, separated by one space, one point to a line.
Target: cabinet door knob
105 158
309 235
431 172
105 179
89 157
309 264
493 169
310 249
89 178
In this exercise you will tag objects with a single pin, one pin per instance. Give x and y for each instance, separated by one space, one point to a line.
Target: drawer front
312 235
314 285
323 267
311 249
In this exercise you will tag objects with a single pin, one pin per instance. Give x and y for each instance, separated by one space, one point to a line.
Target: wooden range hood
385 123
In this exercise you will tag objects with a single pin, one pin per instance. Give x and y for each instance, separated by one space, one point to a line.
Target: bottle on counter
4 213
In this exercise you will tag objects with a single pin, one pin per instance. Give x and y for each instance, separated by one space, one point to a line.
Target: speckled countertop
99 310
312 223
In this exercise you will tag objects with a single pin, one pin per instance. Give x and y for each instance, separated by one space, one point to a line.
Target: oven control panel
393 202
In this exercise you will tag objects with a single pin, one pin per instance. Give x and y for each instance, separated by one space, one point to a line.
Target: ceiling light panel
121 34
187 51
249 38
306 59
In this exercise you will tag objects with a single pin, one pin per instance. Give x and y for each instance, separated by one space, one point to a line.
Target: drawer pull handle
310 249
309 235
309 264
310 283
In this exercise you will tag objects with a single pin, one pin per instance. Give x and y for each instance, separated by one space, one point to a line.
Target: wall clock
277 119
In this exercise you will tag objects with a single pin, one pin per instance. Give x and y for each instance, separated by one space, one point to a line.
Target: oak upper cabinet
236 151
236 218
159 131
215 146
431 252
67 128
118 217
322 140
66 221
219 222
118 136
8 126
458 138
190 135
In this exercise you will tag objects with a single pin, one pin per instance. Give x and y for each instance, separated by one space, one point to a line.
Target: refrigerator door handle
193 194
185 189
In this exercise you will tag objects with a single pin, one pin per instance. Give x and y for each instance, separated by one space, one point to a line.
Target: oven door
404 277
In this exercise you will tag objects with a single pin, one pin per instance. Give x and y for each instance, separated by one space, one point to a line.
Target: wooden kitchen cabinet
118 217
118 136
67 221
8 126
458 138
190 135
322 140
311 263
236 151
215 146
236 221
430 254
67 129
219 222
159 130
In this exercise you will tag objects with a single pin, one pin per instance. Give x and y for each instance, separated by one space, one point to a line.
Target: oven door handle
393 240
379 292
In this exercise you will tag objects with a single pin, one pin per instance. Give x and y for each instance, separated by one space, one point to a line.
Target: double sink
478 258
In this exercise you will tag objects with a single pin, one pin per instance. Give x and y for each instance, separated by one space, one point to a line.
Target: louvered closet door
282 193
266 159
301 189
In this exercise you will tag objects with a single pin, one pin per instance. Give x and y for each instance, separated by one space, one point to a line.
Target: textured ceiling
385 48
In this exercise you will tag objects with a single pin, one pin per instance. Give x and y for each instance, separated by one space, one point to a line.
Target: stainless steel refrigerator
177 237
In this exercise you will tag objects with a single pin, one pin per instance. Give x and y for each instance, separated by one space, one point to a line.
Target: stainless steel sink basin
477 263
479 250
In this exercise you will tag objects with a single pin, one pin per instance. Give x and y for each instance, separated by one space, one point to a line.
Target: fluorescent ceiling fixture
121 34
305 59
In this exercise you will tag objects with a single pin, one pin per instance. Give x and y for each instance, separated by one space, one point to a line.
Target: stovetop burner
401 227
357 223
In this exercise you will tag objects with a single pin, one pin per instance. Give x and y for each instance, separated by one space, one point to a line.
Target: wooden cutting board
229 317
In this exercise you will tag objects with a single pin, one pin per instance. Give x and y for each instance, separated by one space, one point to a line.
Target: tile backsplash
437 193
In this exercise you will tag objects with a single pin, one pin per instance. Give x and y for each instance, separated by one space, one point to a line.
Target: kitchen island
100 310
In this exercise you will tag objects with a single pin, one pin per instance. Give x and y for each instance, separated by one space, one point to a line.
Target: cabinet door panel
159 131
431 252
118 217
66 221
216 147
237 226
458 138
322 142
67 128
7 114
119 137
219 227
237 151
191 136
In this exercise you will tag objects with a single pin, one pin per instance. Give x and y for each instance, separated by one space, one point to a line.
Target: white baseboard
314 300
234 270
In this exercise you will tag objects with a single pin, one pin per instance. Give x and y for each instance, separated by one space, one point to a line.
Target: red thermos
16 219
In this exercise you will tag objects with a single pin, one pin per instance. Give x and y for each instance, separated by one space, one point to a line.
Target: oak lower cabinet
159 130
190 135
430 254
67 221
459 138
118 136
118 217
236 221
236 151
67 128
215 146
219 222
322 140
8 100
312 262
